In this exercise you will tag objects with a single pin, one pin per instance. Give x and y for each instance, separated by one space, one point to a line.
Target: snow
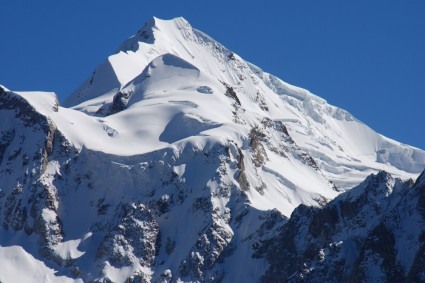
69 249
120 275
4 88
19 266
176 97
179 83
43 102
48 215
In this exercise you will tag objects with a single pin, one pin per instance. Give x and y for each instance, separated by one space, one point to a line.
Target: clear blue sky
366 56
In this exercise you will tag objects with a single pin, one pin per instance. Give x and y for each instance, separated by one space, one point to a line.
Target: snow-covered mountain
373 233
178 160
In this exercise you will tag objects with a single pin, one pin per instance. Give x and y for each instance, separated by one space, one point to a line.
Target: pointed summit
157 22
157 26
334 138
155 38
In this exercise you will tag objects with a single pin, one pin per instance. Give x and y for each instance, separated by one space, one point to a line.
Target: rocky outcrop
363 235
119 103
30 199
135 237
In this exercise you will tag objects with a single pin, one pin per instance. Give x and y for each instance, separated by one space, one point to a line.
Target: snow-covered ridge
170 85
282 88
343 147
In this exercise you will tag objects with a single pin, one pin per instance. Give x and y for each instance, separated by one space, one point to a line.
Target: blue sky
367 57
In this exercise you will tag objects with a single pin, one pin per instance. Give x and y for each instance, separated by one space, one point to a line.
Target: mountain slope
345 149
372 233
174 161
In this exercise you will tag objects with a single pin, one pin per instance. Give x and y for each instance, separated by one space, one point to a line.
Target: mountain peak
3 89
157 24
179 21
375 186
224 73
154 21
154 39
175 126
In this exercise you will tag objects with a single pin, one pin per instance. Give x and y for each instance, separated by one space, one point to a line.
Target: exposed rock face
119 103
30 200
134 237
372 233
123 212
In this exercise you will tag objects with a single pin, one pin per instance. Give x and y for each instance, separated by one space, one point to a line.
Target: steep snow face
156 38
168 60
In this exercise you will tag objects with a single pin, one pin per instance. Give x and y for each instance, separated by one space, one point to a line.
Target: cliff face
162 215
372 233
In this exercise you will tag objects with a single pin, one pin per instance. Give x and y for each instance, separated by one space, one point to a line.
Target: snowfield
19 266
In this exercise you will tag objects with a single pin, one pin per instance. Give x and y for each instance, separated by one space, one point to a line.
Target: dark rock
230 92
119 103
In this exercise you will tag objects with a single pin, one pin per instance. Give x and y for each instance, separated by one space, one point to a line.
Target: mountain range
177 160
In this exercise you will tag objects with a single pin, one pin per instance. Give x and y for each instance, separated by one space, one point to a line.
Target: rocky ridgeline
374 233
